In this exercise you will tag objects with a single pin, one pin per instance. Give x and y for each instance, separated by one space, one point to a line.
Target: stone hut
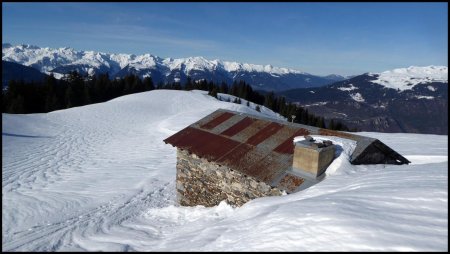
237 157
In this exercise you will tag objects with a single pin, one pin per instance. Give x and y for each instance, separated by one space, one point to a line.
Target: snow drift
100 178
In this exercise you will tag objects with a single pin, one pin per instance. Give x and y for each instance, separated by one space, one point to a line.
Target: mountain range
413 99
63 60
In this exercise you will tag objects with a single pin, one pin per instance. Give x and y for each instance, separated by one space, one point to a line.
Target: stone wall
200 182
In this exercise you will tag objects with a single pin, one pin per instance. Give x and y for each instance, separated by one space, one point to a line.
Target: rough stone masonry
200 182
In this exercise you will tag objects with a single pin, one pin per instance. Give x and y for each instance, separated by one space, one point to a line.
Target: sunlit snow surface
100 178
406 78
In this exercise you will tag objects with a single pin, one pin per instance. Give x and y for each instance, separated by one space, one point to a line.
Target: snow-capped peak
407 78
189 64
46 59
236 67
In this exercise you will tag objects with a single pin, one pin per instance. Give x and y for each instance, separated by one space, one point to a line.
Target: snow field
100 178
407 78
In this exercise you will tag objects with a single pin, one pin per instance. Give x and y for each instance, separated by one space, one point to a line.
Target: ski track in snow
100 178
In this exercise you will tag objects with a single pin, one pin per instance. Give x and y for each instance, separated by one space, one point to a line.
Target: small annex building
237 157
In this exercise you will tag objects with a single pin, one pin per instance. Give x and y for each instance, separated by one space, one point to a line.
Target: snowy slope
407 78
100 178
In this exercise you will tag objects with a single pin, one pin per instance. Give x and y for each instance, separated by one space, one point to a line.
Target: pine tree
321 123
309 121
87 95
17 105
137 86
282 105
223 87
299 114
69 97
213 92
234 88
210 85
76 85
51 103
129 80
202 85
332 125
269 100
148 84
188 86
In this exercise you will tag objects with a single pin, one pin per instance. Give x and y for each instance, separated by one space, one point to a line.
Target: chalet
237 157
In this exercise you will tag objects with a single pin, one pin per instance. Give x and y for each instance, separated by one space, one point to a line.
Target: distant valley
413 99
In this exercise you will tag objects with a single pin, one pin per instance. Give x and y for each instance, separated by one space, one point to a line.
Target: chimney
312 158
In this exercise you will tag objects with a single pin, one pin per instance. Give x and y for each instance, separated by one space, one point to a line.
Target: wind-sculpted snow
100 178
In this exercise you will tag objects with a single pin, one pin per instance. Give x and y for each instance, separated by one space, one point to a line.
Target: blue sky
319 38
